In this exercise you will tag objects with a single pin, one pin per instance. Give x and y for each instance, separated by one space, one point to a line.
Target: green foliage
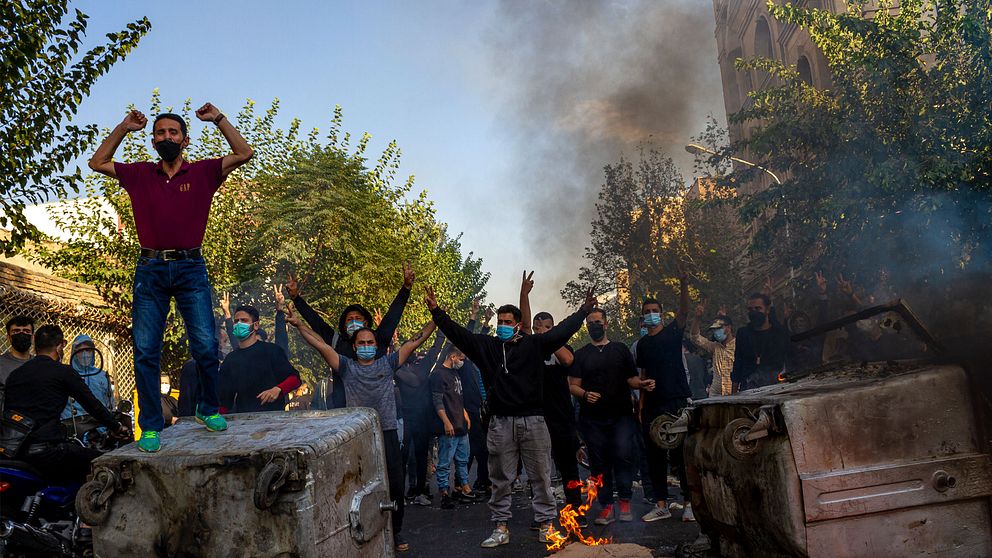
646 230
42 83
302 205
889 168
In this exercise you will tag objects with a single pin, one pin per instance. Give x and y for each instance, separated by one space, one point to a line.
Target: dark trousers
610 445
416 449
478 453
156 282
659 459
63 463
564 445
394 472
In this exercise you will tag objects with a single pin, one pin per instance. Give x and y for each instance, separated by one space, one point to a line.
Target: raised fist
134 121
207 113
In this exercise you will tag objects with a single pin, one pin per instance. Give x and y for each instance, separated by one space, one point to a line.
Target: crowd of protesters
509 399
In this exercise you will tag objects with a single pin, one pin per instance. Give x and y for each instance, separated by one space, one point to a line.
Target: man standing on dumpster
171 201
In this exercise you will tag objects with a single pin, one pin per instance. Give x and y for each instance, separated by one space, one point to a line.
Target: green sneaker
149 441
214 423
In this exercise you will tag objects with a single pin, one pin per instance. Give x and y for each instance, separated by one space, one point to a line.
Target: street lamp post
697 149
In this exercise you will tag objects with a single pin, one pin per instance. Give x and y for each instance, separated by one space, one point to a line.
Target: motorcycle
38 518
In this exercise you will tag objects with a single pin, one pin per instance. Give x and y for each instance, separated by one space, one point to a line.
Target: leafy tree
645 232
303 205
887 171
42 83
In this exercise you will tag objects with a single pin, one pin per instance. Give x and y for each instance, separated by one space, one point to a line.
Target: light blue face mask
353 326
719 335
505 332
366 352
652 319
241 331
644 331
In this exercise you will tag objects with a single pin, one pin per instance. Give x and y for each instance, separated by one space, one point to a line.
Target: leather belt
172 255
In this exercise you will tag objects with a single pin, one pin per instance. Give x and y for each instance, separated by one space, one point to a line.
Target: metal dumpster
302 484
873 460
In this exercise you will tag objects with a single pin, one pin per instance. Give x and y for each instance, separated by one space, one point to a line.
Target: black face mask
596 331
21 342
168 150
756 317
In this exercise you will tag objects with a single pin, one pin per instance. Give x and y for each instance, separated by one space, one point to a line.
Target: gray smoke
586 82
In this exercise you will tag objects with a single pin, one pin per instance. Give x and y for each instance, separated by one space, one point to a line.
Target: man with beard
20 330
171 202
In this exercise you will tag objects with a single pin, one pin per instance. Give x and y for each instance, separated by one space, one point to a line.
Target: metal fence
111 338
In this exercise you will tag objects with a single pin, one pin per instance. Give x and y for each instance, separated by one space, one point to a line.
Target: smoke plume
587 82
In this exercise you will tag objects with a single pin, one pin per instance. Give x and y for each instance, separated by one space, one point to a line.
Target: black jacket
41 388
512 372
759 356
339 338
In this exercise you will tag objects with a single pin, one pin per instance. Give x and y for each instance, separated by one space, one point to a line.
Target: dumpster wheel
92 500
269 483
661 433
733 438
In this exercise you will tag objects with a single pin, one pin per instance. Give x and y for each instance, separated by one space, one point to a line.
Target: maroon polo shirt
170 213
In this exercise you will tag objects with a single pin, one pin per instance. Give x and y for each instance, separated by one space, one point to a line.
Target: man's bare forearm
105 153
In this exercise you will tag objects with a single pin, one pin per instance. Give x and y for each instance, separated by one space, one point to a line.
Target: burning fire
568 517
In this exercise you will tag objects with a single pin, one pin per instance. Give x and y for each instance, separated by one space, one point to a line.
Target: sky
505 111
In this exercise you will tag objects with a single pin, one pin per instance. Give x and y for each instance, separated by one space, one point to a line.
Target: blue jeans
156 282
610 443
451 447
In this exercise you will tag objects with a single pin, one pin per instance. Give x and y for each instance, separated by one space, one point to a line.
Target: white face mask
166 388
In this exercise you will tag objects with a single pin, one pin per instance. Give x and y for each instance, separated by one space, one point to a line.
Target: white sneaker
656 513
499 537
544 529
422 500
687 515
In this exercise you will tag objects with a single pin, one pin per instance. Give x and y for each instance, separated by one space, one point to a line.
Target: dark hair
544 316
171 116
250 310
354 336
20 321
764 298
47 338
599 311
650 300
510 309
354 308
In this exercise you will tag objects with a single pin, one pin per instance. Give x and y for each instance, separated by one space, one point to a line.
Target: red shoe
605 516
625 514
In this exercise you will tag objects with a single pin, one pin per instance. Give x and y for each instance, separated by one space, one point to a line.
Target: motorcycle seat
20 465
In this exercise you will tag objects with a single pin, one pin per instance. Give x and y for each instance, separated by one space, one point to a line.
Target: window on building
805 70
762 39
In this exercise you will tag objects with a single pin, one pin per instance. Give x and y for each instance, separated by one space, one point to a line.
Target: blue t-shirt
372 386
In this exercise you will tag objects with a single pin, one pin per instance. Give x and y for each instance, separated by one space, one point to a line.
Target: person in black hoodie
413 379
353 318
512 366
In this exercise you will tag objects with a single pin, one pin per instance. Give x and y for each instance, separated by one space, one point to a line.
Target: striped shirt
723 363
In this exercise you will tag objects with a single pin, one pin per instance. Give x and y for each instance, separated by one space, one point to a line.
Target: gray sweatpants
526 439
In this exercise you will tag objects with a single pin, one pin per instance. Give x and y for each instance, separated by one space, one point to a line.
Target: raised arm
314 340
695 336
526 286
103 159
683 316
325 331
416 341
458 335
384 331
281 335
556 337
241 152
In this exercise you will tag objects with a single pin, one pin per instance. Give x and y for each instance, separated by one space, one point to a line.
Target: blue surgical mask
644 331
366 352
652 319
505 332
242 331
353 326
720 335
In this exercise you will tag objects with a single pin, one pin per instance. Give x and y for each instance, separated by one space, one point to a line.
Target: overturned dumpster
853 460
303 484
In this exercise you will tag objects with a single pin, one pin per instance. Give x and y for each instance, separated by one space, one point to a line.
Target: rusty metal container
864 461
303 484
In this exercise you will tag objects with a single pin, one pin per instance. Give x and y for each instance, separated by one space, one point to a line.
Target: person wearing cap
721 343
171 201
83 361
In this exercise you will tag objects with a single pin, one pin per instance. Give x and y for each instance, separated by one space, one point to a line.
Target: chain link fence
112 339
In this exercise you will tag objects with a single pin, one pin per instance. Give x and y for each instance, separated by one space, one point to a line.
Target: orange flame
569 517
781 377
